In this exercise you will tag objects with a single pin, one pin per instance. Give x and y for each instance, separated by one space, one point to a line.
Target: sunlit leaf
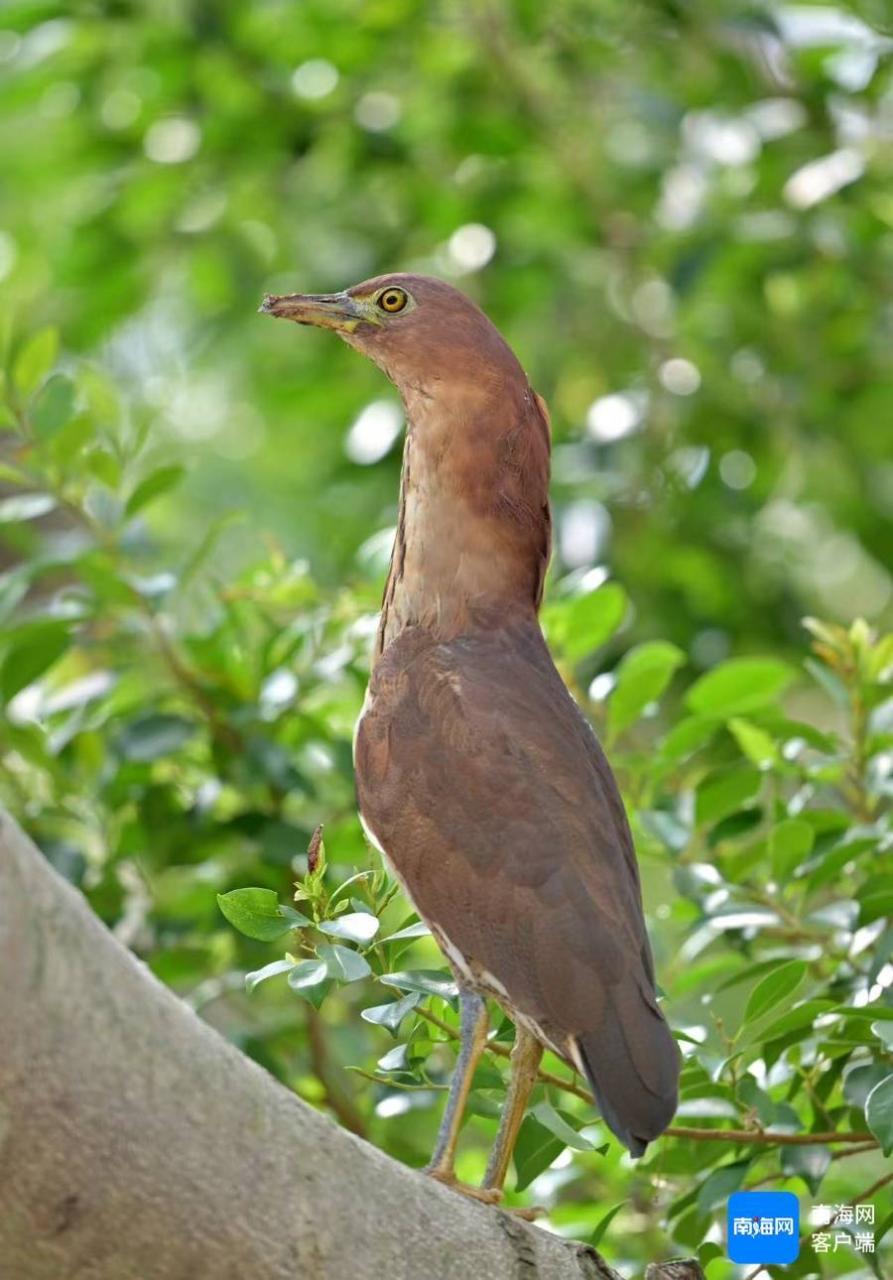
390 1016
429 982
774 988
738 686
258 914
343 964
355 926
642 677
35 360
152 487
258 976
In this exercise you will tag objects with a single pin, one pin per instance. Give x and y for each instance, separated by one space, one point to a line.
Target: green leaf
719 1185
307 973
738 686
355 926
800 1018
583 623
555 1122
809 1163
31 655
343 964
789 845
35 360
879 1114
105 466
642 677
396 1059
776 987
258 976
884 1032
861 1080
417 930
152 736
755 742
535 1150
257 913
723 793
603 1223
688 736
152 487
53 406
391 1015
431 982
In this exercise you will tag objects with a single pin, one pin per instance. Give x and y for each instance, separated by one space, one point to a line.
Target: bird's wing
488 791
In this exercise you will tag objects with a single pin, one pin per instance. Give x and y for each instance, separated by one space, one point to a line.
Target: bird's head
422 332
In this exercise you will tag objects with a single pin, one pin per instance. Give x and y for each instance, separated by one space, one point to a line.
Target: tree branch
136 1144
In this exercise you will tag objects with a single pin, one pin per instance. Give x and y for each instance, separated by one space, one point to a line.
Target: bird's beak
338 311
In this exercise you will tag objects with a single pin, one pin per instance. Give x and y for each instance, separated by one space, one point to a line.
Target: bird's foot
486 1195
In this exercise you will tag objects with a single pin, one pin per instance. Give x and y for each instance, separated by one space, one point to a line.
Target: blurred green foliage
680 215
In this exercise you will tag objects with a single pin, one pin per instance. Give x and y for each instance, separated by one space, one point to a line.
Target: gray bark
136 1144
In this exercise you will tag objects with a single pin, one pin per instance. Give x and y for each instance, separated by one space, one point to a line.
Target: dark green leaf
719 1185
603 1223
809 1163
153 736
535 1150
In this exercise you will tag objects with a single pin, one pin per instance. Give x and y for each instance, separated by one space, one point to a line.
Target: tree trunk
136 1144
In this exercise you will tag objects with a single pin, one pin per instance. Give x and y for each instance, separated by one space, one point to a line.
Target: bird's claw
485 1195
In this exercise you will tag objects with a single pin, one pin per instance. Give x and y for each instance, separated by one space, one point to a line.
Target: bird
478 776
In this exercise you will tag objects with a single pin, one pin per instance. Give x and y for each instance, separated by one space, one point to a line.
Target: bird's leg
526 1055
473 1030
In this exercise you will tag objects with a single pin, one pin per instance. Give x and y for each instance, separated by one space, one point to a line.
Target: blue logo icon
764 1226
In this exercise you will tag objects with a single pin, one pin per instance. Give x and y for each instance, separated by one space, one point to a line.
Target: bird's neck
473 535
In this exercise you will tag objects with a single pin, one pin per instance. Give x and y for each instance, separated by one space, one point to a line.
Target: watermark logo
842 1226
764 1226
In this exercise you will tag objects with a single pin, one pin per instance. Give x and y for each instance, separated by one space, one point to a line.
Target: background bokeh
680 213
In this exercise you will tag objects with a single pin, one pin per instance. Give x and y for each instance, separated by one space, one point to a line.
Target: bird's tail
632 1063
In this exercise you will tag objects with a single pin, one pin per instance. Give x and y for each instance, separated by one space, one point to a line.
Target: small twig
854 1151
398 1084
767 1137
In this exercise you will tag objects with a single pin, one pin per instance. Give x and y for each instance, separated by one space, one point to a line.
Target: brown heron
477 774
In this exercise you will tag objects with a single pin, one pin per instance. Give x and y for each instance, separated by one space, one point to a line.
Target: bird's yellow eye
392 300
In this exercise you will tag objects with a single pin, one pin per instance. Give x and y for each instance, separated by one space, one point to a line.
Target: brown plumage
477 773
